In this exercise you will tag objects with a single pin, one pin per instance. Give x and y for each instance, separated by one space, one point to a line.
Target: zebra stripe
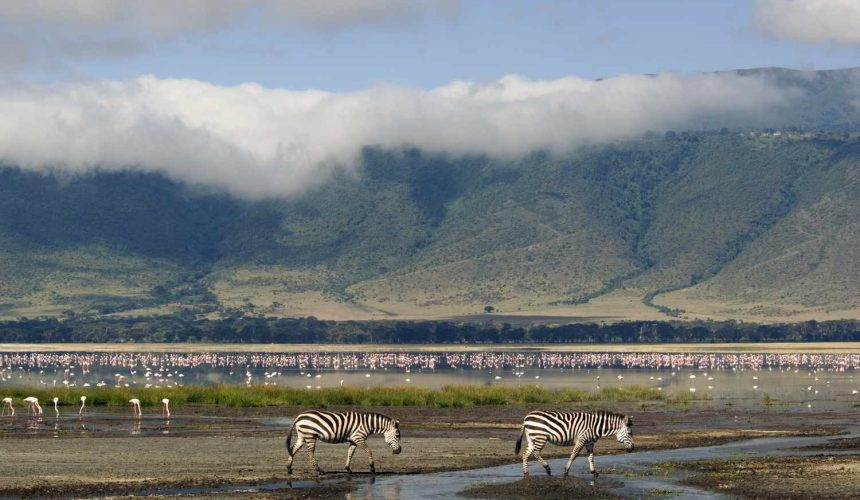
341 427
575 429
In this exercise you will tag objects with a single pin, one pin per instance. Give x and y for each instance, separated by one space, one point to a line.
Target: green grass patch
256 396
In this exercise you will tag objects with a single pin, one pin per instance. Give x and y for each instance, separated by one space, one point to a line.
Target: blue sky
476 40
216 92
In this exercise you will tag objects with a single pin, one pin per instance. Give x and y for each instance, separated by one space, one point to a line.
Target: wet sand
823 476
243 451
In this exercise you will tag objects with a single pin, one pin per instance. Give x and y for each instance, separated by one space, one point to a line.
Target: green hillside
714 218
753 223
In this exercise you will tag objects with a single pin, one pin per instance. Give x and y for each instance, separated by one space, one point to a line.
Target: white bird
854 391
165 412
7 403
34 409
692 389
56 410
83 402
135 407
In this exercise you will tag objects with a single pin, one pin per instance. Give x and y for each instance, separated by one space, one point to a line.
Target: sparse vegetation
256 396
184 327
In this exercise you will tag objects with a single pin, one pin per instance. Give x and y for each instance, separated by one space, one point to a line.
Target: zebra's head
624 434
392 435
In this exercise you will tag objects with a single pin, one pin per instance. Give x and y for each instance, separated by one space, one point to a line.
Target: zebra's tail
520 441
290 440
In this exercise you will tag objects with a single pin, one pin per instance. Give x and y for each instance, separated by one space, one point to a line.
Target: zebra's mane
620 416
383 418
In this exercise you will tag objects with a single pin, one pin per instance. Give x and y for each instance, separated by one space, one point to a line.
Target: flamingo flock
34 409
167 369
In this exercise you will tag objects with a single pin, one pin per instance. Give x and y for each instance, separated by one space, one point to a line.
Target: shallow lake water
810 380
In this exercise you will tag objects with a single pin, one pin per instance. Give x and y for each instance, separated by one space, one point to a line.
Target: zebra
571 429
341 427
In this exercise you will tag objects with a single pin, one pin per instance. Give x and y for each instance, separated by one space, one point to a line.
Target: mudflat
433 440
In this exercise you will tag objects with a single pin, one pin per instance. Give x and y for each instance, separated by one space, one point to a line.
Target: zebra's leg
530 448
349 453
296 447
540 441
590 448
363 445
573 454
310 447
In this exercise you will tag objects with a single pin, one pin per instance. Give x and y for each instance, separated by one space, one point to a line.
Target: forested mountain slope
752 224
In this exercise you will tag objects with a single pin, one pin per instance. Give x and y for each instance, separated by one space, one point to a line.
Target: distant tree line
312 330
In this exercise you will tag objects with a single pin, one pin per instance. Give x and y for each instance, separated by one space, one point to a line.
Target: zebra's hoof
548 471
566 473
289 470
373 470
595 473
348 470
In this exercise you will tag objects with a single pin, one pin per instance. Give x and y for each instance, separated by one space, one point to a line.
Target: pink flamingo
34 409
83 402
7 404
165 412
56 410
135 407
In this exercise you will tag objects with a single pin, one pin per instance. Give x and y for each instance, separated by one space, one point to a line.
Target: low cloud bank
257 142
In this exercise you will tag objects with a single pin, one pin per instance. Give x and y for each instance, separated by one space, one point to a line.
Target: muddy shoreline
113 464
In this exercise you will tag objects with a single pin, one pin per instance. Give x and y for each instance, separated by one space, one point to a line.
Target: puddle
636 471
281 485
121 424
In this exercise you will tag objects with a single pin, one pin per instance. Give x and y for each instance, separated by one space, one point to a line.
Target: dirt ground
433 440
821 476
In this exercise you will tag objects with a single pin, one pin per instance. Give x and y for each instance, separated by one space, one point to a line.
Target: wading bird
7 404
83 402
56 410
135 407
35 408
165 411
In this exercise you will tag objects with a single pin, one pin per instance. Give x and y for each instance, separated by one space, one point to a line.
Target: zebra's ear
397 424
628 421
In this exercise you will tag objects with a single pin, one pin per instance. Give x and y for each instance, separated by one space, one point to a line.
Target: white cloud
171 18
44 29
259 142
810 20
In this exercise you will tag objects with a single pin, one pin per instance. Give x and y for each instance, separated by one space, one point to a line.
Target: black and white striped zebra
571 429
341 427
